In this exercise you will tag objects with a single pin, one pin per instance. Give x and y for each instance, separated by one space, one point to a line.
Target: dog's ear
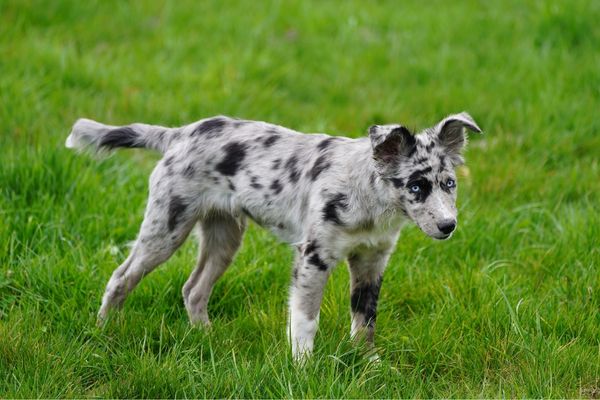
391 142
450 132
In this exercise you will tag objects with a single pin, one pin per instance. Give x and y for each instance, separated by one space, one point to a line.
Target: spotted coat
332 198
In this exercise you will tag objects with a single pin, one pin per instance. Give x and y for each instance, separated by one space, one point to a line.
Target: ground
508 307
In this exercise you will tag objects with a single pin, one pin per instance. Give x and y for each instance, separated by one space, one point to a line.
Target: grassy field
509 307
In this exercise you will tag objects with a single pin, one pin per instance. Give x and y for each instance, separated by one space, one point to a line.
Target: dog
332 198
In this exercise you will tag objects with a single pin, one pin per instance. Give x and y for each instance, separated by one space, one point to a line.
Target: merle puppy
333 198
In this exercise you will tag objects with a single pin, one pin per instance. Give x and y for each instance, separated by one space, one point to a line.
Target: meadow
509 307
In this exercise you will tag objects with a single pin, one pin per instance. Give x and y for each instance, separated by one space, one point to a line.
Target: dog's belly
286 233
281 221
284 230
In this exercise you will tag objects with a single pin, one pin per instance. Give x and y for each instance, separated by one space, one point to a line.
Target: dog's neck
373 194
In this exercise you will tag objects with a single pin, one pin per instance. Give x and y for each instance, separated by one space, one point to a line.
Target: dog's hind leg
168 220
221 236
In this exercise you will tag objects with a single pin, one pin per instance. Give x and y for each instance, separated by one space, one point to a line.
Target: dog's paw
374 357
201 322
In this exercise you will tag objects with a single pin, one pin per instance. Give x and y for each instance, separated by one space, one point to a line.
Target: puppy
333 198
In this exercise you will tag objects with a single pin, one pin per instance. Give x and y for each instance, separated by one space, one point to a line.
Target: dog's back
269 173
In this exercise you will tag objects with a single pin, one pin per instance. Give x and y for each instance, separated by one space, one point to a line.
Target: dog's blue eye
450 183
415 188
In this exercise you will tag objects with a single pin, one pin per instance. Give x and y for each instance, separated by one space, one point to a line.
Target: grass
510 307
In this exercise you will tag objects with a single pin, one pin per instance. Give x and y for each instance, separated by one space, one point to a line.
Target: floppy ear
451 131
390 143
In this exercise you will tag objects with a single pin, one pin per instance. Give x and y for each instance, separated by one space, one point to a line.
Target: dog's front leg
366 275
311 270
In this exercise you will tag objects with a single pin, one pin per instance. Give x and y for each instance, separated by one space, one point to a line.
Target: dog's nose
447 226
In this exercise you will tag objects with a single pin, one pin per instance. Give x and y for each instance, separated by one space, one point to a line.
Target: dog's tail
91 134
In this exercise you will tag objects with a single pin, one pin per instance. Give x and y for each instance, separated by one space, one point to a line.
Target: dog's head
419 170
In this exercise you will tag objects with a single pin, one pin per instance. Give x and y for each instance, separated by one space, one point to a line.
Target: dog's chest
382 234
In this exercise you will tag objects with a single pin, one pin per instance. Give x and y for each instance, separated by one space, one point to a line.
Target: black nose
447 226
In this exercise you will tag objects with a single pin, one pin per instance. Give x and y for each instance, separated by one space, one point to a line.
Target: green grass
510 307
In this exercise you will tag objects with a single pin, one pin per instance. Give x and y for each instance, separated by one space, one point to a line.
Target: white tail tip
84 133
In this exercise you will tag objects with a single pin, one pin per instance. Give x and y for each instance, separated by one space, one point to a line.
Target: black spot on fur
318 262
239 123
161 136
276 163
364 300
121 137
234 156
321 164
310 247
430 147
270 141
418 174
176 207
189 171
291 166
397 182
169 160
210 128
254 183
325 143
276 186
330 211
231 185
